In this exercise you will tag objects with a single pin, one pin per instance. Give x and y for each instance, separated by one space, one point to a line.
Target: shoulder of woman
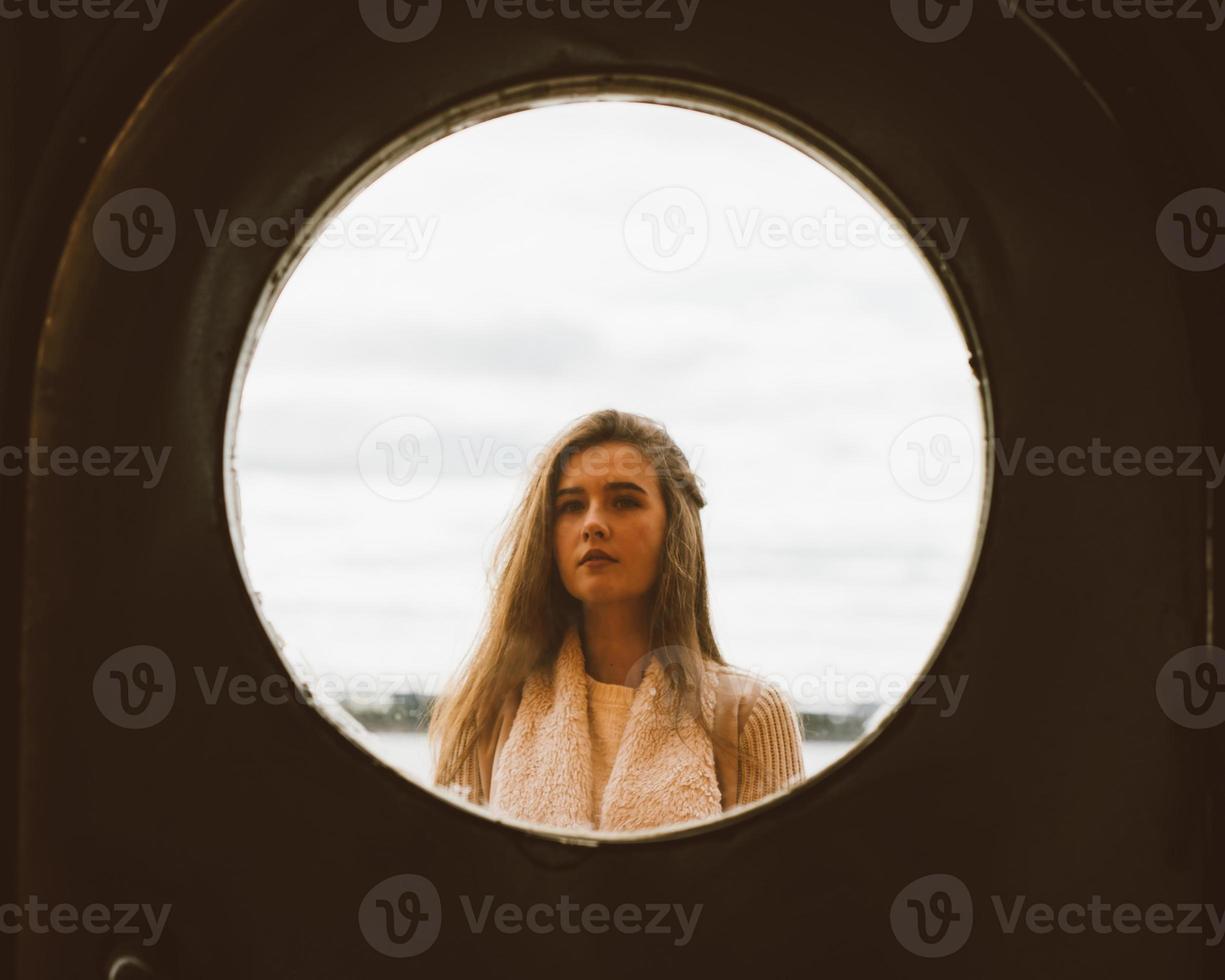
772 711
757 698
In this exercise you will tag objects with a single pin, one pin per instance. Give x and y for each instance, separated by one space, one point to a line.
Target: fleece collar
661 774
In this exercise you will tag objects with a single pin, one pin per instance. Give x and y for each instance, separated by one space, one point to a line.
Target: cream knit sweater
770 736
609 709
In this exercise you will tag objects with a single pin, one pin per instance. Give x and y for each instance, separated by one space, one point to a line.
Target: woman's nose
594 526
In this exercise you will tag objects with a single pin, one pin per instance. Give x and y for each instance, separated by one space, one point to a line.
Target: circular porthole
484 285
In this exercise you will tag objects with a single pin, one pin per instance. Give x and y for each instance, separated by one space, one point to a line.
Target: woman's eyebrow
619 485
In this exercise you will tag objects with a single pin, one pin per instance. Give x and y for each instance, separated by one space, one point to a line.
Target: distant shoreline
409 714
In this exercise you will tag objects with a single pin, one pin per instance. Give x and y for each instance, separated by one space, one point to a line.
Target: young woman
597 697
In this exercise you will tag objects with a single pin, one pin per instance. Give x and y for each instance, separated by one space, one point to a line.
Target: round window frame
562 90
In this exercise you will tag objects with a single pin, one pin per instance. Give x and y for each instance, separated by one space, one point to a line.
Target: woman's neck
616 639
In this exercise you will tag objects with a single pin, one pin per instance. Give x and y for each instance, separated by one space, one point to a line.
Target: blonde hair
531 610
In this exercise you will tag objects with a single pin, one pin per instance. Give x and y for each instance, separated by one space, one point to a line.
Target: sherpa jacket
536 764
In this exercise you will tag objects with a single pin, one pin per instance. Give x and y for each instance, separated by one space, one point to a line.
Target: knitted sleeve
769 748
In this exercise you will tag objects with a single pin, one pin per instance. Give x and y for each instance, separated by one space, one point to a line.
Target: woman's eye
619 501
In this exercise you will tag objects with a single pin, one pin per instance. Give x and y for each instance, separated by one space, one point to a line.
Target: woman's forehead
608 462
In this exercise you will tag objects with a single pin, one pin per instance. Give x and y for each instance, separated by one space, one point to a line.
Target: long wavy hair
531 610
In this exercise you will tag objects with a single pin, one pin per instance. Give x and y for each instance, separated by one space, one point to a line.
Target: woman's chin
594 594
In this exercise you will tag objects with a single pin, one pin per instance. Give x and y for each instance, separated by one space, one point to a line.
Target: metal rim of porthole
661 90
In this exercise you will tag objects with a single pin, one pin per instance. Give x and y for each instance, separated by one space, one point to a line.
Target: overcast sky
549 263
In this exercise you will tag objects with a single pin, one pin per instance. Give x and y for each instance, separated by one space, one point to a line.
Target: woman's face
608 498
